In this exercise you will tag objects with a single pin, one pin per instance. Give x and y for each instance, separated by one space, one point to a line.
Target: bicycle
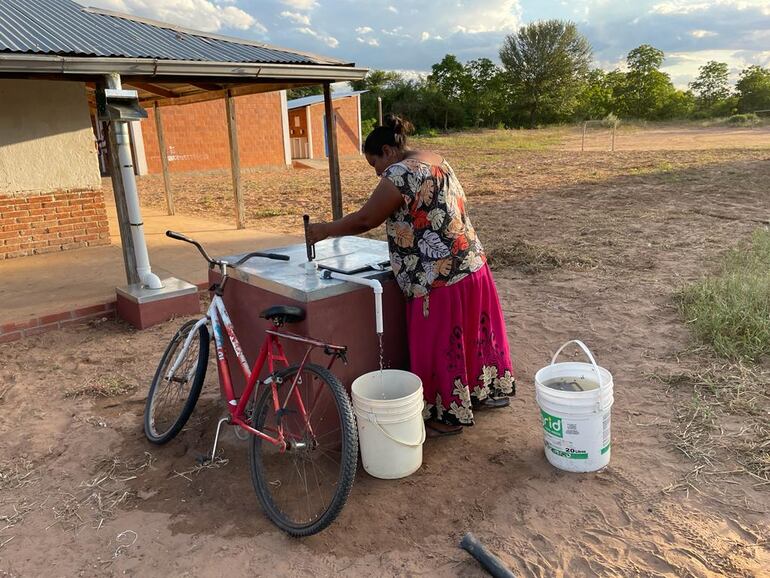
303 448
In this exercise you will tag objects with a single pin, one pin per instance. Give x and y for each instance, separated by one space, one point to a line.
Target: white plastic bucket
576 424
388 407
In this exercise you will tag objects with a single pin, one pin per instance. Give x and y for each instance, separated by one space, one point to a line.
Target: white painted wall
46 140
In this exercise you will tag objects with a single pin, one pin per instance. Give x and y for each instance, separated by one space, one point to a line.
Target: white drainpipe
146 276
373 283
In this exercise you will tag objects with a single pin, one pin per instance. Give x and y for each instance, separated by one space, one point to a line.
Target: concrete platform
53 287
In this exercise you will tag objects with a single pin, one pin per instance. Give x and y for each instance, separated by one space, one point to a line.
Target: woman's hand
317 232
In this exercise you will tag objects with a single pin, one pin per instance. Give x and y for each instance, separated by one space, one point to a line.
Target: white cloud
683 66
683 7
330 41
424 36
411 74
296 17
204 15
477 16
702 33
363 30
301 4
397 32
369 41
393 9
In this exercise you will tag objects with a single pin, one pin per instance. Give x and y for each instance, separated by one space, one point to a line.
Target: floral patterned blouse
432 242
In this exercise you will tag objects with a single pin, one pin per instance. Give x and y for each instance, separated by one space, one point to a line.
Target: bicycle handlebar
274 256
181 237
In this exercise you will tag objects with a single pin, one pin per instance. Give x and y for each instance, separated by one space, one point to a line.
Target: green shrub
611 121
731 310
749 119
367 126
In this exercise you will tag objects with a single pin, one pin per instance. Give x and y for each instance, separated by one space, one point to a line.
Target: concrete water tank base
143 308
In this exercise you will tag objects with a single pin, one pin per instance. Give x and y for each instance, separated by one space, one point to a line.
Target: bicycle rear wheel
171 399
303 489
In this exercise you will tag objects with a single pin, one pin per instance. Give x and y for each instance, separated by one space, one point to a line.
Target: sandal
492 403
432 431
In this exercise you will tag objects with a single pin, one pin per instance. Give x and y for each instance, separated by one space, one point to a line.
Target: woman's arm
384 201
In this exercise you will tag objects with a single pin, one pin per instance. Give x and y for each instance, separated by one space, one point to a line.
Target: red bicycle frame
270 352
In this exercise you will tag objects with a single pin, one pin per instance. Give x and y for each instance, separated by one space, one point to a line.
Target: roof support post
334 161
124 184
235 161
164 160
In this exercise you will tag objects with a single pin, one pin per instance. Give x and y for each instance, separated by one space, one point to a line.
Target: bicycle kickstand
210 458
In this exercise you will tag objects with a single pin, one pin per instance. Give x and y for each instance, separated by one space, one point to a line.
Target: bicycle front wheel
172 396
304 488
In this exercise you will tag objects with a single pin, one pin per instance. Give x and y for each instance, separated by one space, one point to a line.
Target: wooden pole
235 161
583 142
379 111
334 162
613 138
164 161
126 240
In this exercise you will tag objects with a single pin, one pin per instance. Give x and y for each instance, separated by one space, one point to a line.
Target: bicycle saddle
280 314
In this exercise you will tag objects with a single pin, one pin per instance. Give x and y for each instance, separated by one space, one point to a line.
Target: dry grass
98 498
490 163
102 386
205 464
17 473
723 427
531 258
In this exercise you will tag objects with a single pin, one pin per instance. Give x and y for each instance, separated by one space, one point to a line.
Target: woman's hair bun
397 124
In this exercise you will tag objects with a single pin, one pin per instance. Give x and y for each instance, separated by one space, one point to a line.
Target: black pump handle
310 246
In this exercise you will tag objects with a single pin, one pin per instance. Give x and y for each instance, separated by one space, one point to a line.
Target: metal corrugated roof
317 98
65 28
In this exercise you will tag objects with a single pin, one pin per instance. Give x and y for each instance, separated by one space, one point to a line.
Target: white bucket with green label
575 402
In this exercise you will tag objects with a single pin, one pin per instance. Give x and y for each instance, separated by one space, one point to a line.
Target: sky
410 35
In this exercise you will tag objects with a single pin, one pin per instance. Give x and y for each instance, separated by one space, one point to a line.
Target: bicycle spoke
173 396
314 483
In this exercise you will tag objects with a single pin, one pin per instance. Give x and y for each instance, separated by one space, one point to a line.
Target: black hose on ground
488 561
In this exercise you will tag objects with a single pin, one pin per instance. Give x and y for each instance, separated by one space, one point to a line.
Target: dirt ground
610 238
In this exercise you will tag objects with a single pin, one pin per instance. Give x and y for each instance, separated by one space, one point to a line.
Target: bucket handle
593 363
400 442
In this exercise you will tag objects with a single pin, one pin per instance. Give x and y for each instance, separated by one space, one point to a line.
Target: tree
451 79
485 95
376 81
712 85
304 91
546 61
646 90
753 89
595 99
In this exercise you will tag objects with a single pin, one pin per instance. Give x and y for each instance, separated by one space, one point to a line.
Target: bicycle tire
173 426
348 454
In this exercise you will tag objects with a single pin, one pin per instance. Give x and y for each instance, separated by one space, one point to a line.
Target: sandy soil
82 492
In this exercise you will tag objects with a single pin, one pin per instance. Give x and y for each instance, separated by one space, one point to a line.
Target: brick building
307 134
55 58
269 128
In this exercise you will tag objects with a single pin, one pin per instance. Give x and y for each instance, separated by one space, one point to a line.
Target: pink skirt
459 348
